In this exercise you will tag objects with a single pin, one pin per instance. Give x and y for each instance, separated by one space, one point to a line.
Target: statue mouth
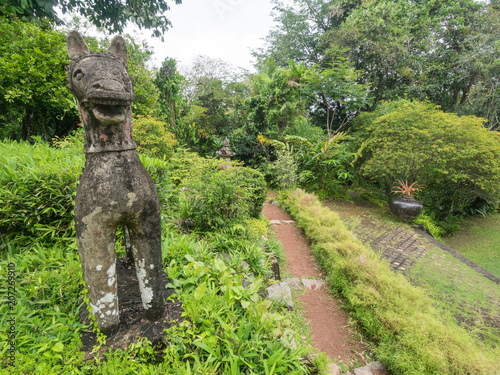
109 111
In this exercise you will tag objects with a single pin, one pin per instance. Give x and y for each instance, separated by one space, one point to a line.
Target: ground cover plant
411 336
456 289
229 329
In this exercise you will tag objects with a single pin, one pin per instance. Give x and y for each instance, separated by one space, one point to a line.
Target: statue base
132 324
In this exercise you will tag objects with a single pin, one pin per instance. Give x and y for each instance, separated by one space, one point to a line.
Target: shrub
455 158
152 137
285 169
184 165
324 164
254 185
215 200
37 188
34 98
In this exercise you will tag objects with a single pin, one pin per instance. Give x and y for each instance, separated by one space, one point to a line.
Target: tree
169 83
297 35
482 60
212 90
338 93
411 48
111 15
34 99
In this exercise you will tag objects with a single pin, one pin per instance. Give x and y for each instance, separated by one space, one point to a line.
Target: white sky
221 29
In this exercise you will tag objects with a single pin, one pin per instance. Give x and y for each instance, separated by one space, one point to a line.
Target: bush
37 189
34 98
215 200
152 137
254 185
455 158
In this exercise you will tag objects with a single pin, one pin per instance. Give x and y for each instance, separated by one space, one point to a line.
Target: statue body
115 188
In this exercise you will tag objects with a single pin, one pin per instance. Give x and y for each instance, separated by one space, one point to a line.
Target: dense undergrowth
411 336
228 329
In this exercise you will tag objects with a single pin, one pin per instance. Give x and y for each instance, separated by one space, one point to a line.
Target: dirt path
327 321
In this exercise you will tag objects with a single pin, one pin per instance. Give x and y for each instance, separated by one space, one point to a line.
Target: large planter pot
405 209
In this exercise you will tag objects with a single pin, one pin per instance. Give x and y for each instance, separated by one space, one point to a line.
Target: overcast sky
222 29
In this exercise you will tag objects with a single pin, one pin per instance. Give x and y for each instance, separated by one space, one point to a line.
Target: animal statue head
104 91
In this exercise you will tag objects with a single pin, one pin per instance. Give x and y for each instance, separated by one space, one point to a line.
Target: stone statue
115 188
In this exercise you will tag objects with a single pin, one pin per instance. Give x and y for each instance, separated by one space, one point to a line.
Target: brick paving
400 246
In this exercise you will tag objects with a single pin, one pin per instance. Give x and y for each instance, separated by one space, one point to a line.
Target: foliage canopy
111 15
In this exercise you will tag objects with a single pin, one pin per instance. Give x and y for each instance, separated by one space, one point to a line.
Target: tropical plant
34 98
324 166
112 15
405 189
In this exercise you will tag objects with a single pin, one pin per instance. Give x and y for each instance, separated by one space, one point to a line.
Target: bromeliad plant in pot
406 207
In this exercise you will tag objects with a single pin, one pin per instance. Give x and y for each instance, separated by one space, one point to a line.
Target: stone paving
400 246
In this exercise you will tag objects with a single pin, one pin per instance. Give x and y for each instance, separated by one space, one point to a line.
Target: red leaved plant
405 189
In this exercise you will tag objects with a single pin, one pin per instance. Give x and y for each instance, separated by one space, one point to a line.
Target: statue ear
118 48
76 45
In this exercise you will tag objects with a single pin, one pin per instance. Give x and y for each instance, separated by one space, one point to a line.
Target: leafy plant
406 190
226 196
152 137
323 166
399 317
35 99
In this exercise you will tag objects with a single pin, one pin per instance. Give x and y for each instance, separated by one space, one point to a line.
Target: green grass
458 289
479 241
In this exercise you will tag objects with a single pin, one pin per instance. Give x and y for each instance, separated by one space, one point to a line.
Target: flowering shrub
152 137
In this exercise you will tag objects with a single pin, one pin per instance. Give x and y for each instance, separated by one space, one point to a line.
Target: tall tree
111 15
169 82
411 48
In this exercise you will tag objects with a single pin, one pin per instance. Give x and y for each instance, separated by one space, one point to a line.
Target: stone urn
405 209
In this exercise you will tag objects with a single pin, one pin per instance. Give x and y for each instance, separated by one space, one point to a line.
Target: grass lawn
479 241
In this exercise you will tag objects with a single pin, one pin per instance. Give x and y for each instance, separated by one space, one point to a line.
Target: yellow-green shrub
152 137
454 157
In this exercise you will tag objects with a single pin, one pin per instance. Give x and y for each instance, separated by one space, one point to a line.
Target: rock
275 269
281 292
274 203
244 265
333 369
287 221
245 283
373 368
225 256
293 283
312 284
275 222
